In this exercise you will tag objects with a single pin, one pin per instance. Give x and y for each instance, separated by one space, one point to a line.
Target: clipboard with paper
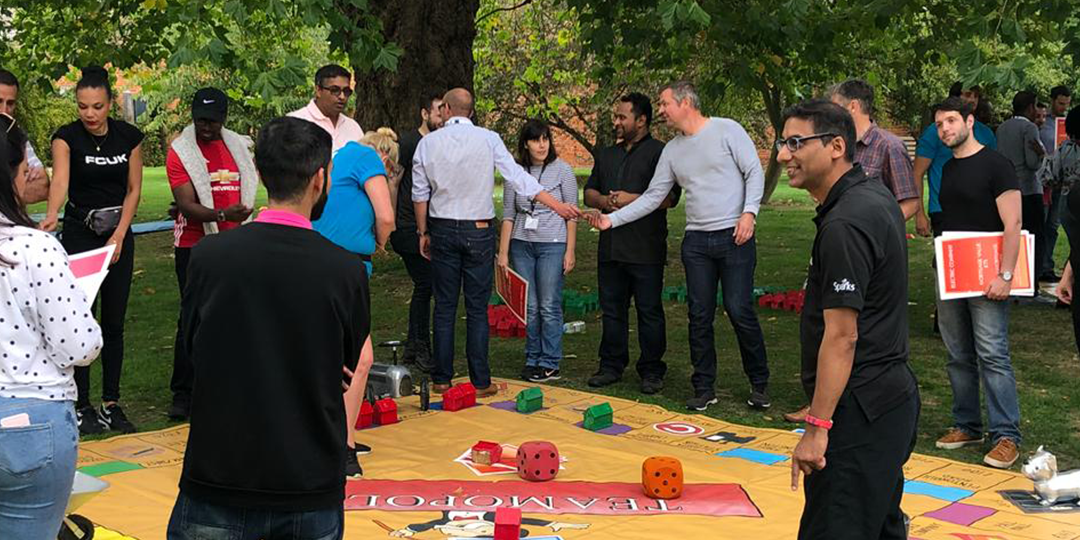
90 269
514 291
968 261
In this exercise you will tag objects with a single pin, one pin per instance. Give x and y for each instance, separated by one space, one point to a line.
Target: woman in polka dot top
45 331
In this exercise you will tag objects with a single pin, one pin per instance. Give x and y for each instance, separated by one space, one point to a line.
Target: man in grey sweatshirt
717 165
1018 140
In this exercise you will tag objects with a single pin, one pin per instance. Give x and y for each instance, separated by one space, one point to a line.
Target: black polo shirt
404 214
859 261
643 241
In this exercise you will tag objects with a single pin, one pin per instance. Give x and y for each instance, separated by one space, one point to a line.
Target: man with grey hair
716 163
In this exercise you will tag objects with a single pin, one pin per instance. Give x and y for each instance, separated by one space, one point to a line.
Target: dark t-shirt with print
859 261
969 190
99 178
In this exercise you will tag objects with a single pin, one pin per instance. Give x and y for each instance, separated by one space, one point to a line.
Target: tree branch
522 4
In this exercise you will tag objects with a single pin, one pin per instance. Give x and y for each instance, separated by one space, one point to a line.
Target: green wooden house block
598 417
529 400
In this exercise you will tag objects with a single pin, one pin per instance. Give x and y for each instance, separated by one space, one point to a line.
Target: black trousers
618 282
113 301
1034 222
183 375
1070 221
857 495
407 244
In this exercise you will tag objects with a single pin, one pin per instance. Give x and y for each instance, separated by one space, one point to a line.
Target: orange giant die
662 477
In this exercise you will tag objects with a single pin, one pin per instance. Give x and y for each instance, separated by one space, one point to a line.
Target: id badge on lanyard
532 222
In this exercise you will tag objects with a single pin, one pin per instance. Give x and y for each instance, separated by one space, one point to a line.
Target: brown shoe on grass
1003 455
957 438
798 416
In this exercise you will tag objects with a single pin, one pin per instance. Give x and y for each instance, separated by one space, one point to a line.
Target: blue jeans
195 520
976 335
462 260
541 264
710 257
37 467
1050 229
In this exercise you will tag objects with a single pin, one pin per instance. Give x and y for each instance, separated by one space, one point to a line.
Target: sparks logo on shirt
115 160
843 286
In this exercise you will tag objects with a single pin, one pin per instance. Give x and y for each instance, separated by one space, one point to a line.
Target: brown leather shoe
798 416
957 438
440 388
1003 455
491 390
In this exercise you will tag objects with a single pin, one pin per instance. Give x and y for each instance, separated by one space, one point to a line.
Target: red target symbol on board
679 429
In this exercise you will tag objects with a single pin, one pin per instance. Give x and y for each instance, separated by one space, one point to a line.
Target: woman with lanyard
539 245
45 330
97 167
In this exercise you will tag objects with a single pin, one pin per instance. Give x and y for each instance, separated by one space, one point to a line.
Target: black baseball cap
210 104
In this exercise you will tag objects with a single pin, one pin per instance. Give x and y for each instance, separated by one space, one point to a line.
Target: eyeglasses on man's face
338 91
795 143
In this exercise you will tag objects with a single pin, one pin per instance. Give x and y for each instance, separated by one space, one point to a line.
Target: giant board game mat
422 483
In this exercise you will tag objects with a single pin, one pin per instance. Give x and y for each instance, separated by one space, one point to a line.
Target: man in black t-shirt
631 258
979 192
864 402
407 243
272 315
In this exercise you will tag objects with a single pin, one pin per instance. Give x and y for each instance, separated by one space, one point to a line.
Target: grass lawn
1044 354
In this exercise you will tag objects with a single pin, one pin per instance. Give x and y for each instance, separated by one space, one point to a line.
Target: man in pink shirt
333 88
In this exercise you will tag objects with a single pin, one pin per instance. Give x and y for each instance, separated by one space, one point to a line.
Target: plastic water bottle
574 327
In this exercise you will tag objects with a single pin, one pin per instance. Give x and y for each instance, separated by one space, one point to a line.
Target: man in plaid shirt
880 153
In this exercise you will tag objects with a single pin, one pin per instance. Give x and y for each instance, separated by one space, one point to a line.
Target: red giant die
537 461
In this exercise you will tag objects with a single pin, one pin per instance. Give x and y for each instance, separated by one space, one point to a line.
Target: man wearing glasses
715 162
332 92
864 400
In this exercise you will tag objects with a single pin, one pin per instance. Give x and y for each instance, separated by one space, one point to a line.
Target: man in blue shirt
931 155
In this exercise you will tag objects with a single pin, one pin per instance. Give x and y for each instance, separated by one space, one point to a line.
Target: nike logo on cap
207 101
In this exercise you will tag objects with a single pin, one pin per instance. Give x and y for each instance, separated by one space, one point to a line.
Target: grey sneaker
701 401
759 399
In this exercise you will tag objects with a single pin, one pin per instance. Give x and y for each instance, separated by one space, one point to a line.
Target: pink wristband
817 422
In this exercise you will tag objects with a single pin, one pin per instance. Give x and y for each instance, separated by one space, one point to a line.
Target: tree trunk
774 107
437 37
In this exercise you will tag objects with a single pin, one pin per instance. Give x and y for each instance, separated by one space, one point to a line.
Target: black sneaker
701 401
544 374
528 372
652 385
759 399
352 465
604 378
88 421
180 410
362 449
113 417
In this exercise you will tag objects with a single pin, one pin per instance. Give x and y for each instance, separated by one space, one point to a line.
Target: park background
566 61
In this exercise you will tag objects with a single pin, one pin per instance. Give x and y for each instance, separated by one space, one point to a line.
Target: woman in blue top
539 245
358 217
358 214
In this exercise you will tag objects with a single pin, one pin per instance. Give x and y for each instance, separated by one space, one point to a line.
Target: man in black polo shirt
631 258
864 402
407 243
272 315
